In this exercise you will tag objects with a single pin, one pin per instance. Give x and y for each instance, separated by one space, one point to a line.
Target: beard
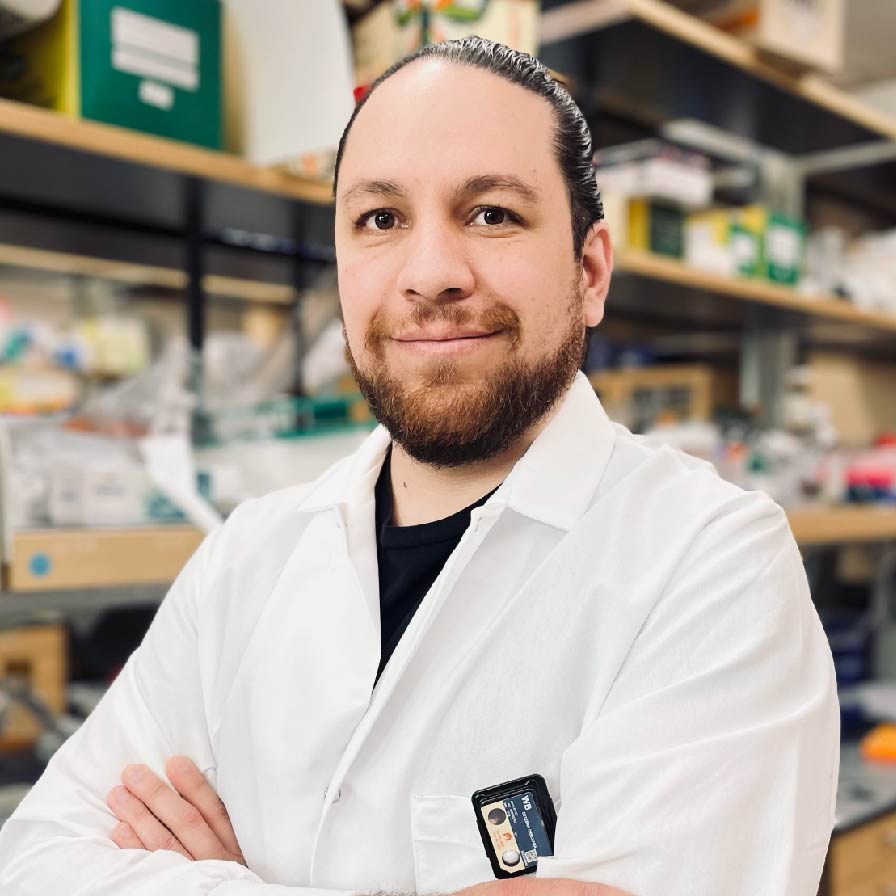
451 417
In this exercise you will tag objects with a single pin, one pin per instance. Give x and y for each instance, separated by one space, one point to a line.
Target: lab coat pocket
448 851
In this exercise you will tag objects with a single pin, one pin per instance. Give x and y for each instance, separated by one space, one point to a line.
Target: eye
380 218
494 215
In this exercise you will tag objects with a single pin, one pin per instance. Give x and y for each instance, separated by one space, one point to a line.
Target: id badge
516 822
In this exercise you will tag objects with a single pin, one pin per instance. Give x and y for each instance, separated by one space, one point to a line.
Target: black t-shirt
409 560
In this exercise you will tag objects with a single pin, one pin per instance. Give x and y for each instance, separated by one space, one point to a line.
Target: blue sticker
40 565
528 827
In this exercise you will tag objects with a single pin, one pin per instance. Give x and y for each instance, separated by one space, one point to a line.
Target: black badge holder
516 821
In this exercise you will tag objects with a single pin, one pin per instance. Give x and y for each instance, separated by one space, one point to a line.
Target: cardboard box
747 242
808 32
804 33
689 391
859 392
783 249
150 65
708 242
296 56
397 27
37 657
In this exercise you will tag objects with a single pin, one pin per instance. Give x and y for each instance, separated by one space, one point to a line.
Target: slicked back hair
572 137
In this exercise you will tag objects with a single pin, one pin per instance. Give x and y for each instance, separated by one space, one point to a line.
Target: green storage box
785 240
655 225
150 65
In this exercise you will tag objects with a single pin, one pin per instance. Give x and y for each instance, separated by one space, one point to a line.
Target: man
499 583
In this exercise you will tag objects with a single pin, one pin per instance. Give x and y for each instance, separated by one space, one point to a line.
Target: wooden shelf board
140 274
92 137
583 16
670 270
104 558
839 525
642 264
52 559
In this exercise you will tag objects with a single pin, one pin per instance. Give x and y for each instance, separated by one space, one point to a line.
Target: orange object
879 744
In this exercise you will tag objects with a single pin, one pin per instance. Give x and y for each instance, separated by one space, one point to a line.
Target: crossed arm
192 820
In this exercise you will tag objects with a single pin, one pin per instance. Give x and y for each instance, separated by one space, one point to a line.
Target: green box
149 65
656 226
785 240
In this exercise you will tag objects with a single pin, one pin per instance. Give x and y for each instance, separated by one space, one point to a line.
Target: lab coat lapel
303 683
359 517
348 491
552 484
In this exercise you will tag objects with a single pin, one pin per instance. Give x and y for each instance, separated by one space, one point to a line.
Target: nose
436 268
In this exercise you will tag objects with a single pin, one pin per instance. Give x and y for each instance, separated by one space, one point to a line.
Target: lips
446 343
445 335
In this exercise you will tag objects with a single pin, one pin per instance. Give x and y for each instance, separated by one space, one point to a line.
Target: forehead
437 123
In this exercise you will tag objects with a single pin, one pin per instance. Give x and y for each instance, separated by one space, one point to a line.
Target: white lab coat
616 618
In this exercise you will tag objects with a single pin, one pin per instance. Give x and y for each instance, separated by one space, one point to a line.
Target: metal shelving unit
91 200
643 68
84 188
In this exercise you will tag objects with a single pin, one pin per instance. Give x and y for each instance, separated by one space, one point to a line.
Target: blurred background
170 333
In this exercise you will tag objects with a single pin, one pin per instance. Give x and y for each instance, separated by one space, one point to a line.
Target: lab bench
862 857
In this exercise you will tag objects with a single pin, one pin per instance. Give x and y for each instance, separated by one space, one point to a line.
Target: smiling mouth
449 338
450 345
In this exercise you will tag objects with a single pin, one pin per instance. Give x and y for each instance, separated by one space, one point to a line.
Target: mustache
498 316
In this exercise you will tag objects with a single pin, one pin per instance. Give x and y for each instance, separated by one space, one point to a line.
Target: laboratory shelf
94 569
134 274
650 65
57 559
842 525
663 64
99 139
25 607
680 296
82 187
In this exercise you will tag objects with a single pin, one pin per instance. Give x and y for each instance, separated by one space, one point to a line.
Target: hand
192 821
530 885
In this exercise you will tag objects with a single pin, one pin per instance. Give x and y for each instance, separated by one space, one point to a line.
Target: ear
597 267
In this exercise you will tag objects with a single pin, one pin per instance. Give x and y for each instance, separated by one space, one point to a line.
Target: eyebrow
481 183
375 188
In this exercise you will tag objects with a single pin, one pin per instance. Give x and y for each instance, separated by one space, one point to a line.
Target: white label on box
806 17
783 246
154 94
135 63
152 48
744 247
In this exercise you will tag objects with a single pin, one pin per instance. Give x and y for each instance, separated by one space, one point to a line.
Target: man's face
464 306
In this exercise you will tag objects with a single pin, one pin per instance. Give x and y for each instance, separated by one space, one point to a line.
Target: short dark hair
572 136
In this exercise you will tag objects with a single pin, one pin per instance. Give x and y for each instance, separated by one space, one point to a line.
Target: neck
422 493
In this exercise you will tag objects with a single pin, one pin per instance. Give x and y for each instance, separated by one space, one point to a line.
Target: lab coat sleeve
58 839
712 765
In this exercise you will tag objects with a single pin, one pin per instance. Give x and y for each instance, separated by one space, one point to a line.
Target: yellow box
44 64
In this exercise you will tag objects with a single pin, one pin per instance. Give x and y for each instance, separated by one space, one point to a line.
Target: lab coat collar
553 482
